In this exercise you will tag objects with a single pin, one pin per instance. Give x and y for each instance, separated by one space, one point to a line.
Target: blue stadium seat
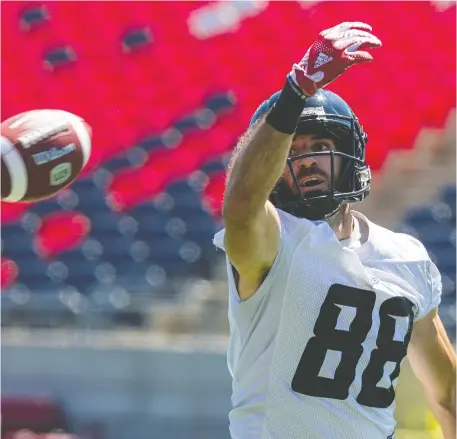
104 220
435 226
45 207
91 198
72 257
113 243
82 277
183 194
448 195
221 102
214 166
116 163
434 233
154 222
187 123
16 242
144 210
445 254
33 16
201 228
419 216
152 142
33 273
194 207
174 266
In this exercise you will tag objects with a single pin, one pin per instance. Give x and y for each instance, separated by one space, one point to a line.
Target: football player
324 304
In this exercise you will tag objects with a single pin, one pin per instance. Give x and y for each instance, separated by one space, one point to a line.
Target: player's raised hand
335 50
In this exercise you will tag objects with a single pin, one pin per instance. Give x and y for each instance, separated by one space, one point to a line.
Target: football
43 151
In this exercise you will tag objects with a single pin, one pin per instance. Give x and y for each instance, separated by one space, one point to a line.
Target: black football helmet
328 115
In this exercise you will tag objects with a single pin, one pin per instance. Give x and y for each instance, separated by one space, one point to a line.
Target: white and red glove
335 50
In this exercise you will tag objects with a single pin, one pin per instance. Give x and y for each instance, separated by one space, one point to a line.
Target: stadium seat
435 227
448 195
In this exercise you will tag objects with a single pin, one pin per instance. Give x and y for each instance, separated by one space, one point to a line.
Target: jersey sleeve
434 286
430 296
418 270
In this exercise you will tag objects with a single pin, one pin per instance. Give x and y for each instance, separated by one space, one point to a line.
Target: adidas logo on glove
322 59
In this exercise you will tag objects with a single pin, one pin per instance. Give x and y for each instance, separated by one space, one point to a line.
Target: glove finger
353 44
350 34
359 57
363 45
342 27
356 33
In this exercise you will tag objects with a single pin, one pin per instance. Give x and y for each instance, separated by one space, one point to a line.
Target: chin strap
331 214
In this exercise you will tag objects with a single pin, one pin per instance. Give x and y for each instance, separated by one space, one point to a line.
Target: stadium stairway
412 177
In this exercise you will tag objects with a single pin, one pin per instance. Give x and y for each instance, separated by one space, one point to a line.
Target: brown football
43 151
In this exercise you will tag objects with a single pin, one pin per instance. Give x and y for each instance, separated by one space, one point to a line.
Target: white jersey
316 351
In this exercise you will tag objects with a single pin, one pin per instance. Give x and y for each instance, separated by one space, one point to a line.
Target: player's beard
284 198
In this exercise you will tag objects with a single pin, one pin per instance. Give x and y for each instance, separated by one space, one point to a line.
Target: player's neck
342 223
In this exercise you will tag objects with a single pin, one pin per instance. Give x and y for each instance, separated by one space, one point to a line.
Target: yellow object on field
414 418
430 421
418 434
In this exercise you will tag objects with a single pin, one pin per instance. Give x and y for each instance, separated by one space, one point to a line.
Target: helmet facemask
353 182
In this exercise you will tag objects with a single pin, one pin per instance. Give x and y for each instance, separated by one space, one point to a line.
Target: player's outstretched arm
252 226
252 234
433 360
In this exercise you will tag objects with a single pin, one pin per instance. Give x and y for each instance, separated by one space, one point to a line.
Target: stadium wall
135 393
149 393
